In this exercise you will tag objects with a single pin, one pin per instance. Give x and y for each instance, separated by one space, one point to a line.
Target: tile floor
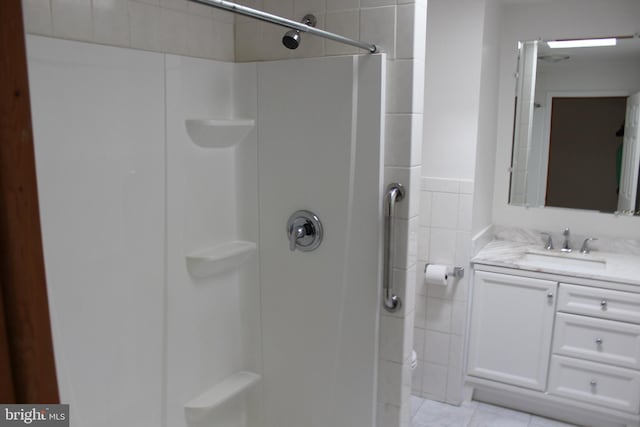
428 413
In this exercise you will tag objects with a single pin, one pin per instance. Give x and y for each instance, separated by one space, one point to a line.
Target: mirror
576 134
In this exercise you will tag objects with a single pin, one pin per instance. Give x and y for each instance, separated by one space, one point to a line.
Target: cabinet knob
593 383
550 295
599 341
603 304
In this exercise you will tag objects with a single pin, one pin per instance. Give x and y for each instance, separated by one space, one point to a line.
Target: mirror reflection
576 133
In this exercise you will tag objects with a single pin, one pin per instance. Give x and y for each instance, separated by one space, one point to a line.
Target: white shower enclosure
165 186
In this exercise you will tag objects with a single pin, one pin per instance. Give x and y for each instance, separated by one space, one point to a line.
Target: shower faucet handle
295 234
304 231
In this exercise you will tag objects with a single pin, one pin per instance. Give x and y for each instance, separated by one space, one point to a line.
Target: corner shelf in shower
218 133
220 258
222 392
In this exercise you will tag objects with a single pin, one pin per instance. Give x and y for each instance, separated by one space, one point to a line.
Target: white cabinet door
511 328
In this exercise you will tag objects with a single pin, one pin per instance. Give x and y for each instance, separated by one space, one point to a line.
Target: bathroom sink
564 261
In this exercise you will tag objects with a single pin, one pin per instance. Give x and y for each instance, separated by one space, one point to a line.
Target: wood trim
22 273
7 392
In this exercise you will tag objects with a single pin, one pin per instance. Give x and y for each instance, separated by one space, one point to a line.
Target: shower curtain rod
284 22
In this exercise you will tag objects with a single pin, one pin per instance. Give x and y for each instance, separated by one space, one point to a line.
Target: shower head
291 38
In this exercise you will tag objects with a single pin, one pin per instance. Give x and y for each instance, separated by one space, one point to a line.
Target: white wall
452 87
460 112
98 119
125 196
320 308
487 120
213 323
561 19
587 76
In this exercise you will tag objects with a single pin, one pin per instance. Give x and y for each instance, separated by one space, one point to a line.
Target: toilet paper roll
436 274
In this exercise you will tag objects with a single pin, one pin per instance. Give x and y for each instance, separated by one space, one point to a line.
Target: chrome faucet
548 245
566 244
585 246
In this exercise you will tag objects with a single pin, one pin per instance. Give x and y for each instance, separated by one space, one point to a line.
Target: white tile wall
172 26
444 238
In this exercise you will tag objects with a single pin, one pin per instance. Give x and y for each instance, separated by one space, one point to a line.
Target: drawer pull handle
603 304
599 341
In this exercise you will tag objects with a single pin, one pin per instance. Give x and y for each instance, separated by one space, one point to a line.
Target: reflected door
582 152
630 156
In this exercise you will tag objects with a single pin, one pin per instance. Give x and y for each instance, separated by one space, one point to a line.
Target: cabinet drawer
604 303
599 340
595 383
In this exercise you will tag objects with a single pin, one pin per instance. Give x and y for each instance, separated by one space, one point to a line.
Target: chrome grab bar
395 193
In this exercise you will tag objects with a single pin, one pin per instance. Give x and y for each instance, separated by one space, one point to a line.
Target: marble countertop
599 265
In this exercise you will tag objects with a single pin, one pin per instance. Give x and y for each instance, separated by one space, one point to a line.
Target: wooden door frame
26 346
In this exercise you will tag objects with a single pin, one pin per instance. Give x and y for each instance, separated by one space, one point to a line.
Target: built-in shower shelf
220 258
225 390
218 133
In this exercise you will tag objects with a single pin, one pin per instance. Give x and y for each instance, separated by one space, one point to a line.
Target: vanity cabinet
541 339
511 329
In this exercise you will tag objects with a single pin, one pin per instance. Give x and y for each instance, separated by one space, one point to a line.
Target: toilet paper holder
457 272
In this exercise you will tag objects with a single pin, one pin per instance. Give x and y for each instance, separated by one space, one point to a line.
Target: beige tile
37 17
174 31
223 41
376 3
144 26
181 5
247 41
342 4
346 23
111 22
302 7
202 10
310 46
378 26
200 40
283 8
405 18
72 19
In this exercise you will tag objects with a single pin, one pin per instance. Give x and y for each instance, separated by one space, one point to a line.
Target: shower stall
213 235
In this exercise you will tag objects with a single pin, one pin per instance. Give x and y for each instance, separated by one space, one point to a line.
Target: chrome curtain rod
284 22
